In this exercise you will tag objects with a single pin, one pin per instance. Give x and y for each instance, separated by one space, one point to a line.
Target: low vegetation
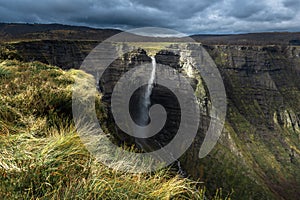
42 157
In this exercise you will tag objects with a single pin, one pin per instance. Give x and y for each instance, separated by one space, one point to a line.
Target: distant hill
21 32
282 38
15 32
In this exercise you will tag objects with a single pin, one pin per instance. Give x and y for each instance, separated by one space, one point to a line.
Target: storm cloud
191 16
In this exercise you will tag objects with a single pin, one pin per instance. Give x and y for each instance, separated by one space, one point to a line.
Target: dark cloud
124 16
295 4
191 16
245 9
181 9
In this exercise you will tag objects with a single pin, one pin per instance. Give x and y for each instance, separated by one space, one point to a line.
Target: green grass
59 167
150 47
42 157
4 72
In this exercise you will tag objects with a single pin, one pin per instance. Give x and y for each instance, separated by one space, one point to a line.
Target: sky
189 16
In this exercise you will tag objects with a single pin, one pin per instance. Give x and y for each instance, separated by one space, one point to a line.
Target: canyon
258 154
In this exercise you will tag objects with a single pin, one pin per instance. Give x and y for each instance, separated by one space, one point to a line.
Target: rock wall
258 154
261 137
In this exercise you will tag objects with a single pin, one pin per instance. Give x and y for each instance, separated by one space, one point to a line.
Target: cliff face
260 142
258 154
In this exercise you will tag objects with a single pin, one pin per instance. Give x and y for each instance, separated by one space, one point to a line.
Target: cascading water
150 83
143 118
145 103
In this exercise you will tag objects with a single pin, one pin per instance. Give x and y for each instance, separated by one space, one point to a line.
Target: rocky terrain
261 137
258 155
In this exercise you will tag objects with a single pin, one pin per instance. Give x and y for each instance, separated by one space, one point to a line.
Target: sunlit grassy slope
42 157
152 48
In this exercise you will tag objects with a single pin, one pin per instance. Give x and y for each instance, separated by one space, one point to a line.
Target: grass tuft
42 156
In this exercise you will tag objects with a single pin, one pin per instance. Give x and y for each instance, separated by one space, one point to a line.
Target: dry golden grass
42 157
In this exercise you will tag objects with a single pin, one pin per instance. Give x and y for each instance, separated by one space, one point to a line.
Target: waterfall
146 101
144 104
143 117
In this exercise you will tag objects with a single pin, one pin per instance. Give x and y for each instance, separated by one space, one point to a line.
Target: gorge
258 154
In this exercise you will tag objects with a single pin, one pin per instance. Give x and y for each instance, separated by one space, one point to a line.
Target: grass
151 47
42 157
4 72
59 167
